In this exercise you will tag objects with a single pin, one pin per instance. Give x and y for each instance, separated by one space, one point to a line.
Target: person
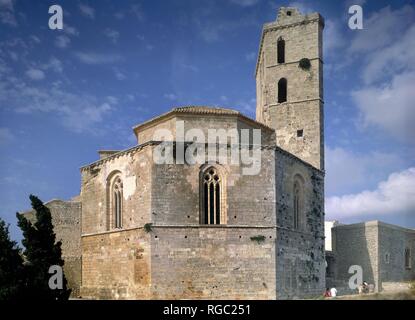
365 287
327 293
333 292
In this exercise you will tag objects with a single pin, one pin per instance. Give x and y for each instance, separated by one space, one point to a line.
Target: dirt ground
401 295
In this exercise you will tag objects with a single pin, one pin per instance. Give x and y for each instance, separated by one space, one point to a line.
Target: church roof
199 110
204 110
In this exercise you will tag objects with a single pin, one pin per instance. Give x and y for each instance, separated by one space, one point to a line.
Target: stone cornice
199 226
292 62
293 102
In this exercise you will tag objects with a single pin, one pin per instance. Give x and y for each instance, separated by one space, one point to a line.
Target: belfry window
117 202
280 50
211 190
282 90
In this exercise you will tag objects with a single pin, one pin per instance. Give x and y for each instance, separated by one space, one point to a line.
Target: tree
11 266
41 252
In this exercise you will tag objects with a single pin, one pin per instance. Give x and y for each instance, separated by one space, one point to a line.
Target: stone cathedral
142 230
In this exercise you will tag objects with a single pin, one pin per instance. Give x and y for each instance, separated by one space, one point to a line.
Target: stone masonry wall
357 244
135 170
300 253
379 248
194 261
116 265
66 219
219 262
393 241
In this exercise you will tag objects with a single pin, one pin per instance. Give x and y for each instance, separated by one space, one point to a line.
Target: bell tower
289 83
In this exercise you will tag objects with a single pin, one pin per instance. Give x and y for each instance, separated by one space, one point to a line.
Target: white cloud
302 6
35 39
112 34
170 96
119 15
333 38
54 64
211 28
394 196
5 136
245 3
390 106
87 11
77 111
97 58
386 46
137 11
72 31
7 15
348 171
112 100
62 41
398 56
381 29
189 67
119 75
35 74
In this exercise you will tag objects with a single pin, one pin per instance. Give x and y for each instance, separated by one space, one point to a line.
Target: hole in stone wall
300 133
288 13
185 237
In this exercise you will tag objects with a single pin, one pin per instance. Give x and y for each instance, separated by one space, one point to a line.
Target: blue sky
64 94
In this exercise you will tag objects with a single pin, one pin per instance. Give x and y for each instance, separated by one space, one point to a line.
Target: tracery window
211 197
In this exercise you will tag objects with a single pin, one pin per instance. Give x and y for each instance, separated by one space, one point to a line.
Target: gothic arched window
114 201
211 197
298 205
408 258
296 218
117 202
282 90
281 50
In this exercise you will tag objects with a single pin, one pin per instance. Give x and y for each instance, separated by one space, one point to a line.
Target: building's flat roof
373 223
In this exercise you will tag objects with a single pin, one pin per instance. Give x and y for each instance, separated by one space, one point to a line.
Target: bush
305 64
258 239
148 227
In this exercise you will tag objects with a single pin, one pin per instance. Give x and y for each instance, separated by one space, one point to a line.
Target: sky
64 94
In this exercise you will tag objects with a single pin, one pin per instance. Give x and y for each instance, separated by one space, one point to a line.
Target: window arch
280 50
282 90
212 197
115 201
298 203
